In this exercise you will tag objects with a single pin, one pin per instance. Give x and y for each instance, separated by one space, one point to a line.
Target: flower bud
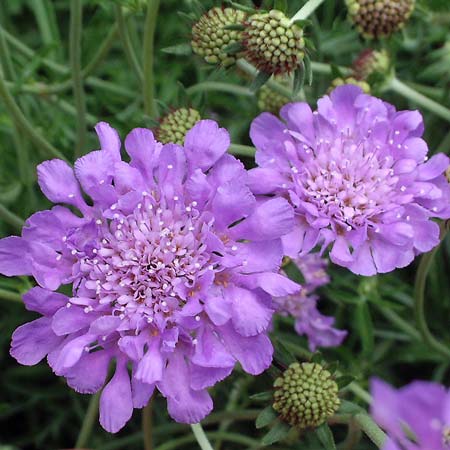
305 395
211 37
273 44
174 126
271 101
349 80
379 18
370 62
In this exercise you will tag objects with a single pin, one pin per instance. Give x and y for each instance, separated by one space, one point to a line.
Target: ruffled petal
44 301
210 351
141 392
70 320
204 377
116 404
14 257
109 140
150 367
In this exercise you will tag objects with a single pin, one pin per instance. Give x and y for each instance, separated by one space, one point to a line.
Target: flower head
305 395
174 126
273 44
358 175
350 80
416 416
172 264
271 101
379 18
371 62
213 33
303 305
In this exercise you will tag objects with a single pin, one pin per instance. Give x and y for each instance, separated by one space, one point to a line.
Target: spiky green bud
273 44
211 37
379 18
349 80
371 62
271 101
174 126
305 395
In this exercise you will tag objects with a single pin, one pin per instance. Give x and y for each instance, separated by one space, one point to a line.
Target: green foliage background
37 409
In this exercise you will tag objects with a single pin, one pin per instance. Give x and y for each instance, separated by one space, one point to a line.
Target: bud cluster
371 62
174 126
271 101
211 35
305 395
272 43
350 80
379 18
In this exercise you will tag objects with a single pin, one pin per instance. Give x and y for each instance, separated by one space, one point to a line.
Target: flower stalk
88 422
201 437
306 10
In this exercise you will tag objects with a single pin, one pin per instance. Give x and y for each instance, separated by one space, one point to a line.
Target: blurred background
40 117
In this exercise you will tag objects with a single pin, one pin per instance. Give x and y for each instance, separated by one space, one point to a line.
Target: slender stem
243 150
76 26
353 435
219 86
126 43
147 426
201 437
11 218
325 69
306 10
11 296
148 49
419 304
359 392
371 429
401 324
88 422
406 91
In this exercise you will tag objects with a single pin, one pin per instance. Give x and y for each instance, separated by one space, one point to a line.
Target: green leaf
332 367
308 70
344 381
265 417
180 49
233 48
240 7
234 27
364 326
276 433
325 436
299 78
282 353
280 5
317 358
303 23
260 80
335 72
347 407
261 396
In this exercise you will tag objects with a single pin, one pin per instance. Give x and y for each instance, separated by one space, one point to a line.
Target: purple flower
357 174
416 417
303 305
173 264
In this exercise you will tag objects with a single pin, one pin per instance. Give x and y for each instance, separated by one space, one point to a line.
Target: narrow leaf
234 27
364 325
233 48
282 354
303 23
265 417
299 78
180 49
260 80
347 407
335 72
280 5
325 436
308 70
276 433
261 396
344 380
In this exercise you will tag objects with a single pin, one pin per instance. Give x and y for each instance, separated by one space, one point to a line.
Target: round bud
349 80
272 43
305 395
211 37
174 126
271 101
379 18
370 62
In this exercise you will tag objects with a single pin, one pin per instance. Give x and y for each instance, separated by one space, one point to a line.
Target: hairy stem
200 435
306 10
10 296
147 426
371 429
88 422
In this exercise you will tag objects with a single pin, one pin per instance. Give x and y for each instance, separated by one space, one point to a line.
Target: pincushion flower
173 263
302 306
416 417
357 173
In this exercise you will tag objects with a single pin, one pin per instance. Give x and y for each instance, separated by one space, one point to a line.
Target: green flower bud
271 101
371 62
379 18
349 80
174 126
210 37
272 43
305 395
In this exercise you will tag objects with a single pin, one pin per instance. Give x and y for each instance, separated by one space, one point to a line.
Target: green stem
419 304
200 435
88 422
11 296
147 426
401 324
11 218
406 91
219 86
76 28
242 150
325 69
371 429
306 10
148 56
126 42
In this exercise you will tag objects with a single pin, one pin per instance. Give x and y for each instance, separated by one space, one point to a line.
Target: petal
116 405
210 351
254 353
150 367
340 253
436 166
274 284
270 220
363 263
127 178
204 377
218 309
141 392
44 301
183 403
33 341
426 236
266 128
45 227
70 320
171 170
264 180
262 256
58 183
71 352
385 406
250 315
88 375
205 143
14 257
109 140
299 117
